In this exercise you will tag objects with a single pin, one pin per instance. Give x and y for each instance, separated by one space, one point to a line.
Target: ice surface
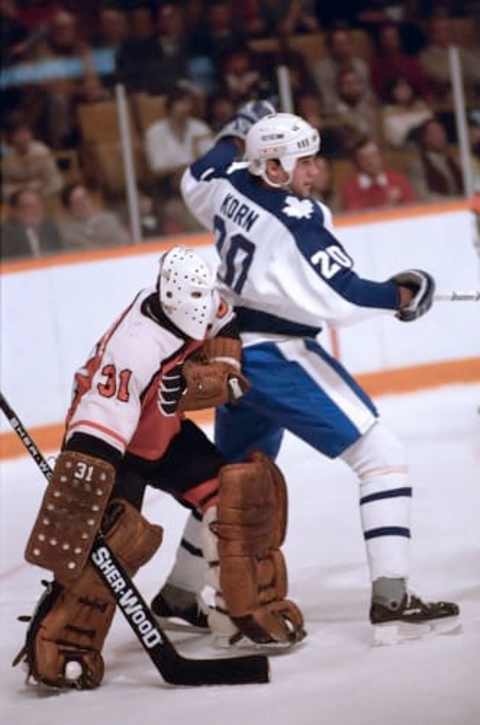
336 677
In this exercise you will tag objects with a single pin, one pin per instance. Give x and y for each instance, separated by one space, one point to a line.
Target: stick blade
177 670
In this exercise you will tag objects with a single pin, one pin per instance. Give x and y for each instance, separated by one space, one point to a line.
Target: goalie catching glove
213 377
422 286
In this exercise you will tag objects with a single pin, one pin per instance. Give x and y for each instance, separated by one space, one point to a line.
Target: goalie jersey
127 392
280 264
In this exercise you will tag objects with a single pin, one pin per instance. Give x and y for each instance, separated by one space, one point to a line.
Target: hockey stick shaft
174 668
455 296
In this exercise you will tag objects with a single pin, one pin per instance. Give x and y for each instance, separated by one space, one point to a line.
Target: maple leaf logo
298 208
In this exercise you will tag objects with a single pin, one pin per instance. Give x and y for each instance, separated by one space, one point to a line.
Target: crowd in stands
373 77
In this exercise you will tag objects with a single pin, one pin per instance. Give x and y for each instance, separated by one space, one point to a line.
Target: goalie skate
412 619
177 610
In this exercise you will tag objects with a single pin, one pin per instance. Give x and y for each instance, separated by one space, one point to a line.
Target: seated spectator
220 110
285 17
435 173
323 184
112 28
435 62
86 226
61 95
241 78
160 61
392 62
341 56
28 232
28 164
403 113
219 34
373 186
356 111
177 140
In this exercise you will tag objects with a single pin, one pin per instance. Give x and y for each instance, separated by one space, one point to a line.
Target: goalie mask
281 136
186 288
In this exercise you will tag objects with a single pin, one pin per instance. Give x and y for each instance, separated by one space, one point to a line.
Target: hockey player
287 275
174 348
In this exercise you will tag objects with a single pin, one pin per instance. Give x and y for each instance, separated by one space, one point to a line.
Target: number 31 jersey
280 263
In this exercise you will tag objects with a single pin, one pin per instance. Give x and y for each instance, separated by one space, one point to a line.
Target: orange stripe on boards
49 437
385 382
202 240
97 255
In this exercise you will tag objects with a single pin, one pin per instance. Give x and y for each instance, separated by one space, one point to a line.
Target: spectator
241 78
341 56
86 226
28 232
29 164
392 62
323 184
61 95
177 140
220 110
372 186
220 34
435 173
356 110
157 63
285 17
435 62
403 112
112 28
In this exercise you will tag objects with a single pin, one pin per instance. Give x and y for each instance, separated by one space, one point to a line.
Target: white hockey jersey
127 392
280 263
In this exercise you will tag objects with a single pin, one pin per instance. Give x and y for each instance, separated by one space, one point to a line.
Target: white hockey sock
189 569
378 460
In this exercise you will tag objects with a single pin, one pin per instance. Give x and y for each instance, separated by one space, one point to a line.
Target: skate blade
245 646
392 633
175 624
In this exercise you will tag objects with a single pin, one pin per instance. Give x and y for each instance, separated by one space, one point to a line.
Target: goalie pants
297 386
188 471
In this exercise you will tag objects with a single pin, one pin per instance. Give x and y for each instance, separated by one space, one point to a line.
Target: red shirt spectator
372 186
392 62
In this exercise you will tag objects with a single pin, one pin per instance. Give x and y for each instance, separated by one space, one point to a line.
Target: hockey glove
247 115
209 384
422 285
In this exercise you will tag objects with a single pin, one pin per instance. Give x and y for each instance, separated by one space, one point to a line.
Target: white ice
336 677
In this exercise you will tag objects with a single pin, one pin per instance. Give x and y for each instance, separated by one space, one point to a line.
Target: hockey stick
174 668
455 296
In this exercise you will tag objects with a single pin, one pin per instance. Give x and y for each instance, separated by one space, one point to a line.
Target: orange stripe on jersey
102 428
202 496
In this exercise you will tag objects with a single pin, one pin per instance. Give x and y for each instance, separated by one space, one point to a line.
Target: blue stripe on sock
392 493
387 531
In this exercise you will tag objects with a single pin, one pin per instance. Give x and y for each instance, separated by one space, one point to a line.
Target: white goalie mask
186 288
281 136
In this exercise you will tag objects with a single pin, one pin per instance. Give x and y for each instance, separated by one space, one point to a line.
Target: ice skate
179 610
412 618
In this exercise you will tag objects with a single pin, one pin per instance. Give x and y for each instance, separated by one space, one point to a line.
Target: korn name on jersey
281 265
128 391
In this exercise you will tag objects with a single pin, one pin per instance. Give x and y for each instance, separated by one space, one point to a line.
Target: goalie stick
174 669
455 296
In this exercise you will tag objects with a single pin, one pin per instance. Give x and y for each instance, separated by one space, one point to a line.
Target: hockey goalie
175 348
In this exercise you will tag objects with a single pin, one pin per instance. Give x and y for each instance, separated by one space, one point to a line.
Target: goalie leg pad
70 514
246 565
73 618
